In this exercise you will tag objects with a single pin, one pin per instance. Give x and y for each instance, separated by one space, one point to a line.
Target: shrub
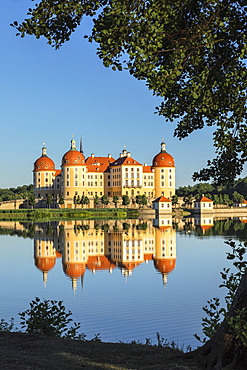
49 318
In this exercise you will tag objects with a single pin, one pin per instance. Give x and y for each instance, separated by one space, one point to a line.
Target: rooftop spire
81 148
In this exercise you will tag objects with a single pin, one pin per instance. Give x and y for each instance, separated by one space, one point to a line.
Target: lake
126 280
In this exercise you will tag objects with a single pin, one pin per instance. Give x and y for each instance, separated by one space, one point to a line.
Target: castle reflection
91 245
99 245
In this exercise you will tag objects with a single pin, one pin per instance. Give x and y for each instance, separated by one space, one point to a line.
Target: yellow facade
85 247
98 176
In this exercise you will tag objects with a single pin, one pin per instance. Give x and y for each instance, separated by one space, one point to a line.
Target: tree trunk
224 350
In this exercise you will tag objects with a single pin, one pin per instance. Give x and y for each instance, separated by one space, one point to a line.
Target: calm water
126 280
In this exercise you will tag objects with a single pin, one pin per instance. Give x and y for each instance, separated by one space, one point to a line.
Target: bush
49 318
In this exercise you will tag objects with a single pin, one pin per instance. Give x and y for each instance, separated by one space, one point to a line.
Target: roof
206 227
45 263
125 161
99 263
162 199
163 159
98 164
72 158
44 163
204 199
147 169
74 269
165 265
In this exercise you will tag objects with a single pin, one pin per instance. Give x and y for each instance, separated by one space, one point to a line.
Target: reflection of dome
131 265
74 270
45 263
99 263
165 265
163 159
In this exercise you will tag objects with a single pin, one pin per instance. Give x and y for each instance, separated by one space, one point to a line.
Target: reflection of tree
228 227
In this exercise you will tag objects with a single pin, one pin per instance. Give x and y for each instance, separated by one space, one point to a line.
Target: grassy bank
66 214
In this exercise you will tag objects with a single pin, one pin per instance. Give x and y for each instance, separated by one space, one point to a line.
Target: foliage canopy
190 52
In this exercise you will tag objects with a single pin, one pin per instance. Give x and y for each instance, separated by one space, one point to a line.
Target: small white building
162 204
203 204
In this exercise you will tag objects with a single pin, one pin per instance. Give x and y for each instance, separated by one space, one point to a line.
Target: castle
98 176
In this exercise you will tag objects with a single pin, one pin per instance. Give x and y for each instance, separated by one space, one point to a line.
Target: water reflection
99 245
93 245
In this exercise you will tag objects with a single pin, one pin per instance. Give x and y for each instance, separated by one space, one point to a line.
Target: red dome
163 159
74 270
44 163
165 265
73 157
45 263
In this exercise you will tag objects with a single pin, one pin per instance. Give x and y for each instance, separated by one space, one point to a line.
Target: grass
45 214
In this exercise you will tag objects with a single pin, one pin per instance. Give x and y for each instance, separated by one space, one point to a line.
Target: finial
73 146
163 146
44 150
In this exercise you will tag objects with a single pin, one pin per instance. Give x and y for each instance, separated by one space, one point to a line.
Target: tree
84 200
138 200
125 200
48 200
104 200
75 200
115 200
96 200
31 200
144 200
174 200
238 198
61 200
193 57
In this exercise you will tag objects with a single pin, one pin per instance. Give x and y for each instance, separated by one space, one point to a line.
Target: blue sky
49 95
